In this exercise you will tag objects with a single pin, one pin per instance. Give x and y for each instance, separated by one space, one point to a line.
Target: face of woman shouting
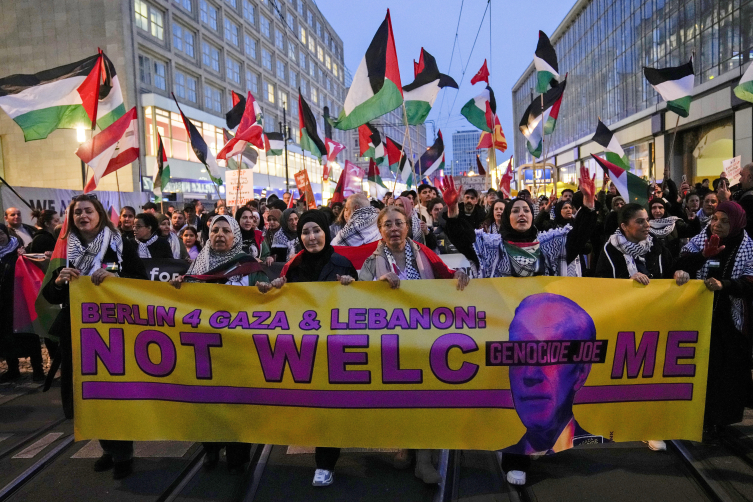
86 219
221 237
521 217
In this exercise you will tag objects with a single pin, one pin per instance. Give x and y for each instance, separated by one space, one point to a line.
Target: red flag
112 148
236 98
418 67
482 75
114 216
349 182
497 138
248 131
504 184
333 149
26 286
291 202
89 89
480 166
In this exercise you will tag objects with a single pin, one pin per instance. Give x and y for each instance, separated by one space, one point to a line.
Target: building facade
200 50
464 152
603 45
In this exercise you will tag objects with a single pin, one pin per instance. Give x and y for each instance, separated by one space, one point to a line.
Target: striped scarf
409 273
631 251
89 258
144 246
662 227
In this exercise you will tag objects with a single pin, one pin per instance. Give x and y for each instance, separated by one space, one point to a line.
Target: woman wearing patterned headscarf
414 222
670 229
96 249
285 243
722 256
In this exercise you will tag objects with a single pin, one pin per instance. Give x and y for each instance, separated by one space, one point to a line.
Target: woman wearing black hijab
317 262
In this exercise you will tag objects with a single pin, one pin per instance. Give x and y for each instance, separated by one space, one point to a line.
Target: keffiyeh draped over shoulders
360 229
89 258
554 247
210 260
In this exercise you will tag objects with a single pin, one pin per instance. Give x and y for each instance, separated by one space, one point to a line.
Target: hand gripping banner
534 365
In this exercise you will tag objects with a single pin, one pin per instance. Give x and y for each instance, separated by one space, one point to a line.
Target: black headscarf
558 219
290 234
510 233
312 263
657 200
248 236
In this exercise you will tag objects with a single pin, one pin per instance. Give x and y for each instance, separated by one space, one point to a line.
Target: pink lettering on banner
93 347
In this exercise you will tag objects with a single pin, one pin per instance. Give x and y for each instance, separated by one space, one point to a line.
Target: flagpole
117 183
238 182
671 152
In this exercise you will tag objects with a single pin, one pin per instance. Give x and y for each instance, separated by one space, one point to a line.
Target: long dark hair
104 219
43 216
189 228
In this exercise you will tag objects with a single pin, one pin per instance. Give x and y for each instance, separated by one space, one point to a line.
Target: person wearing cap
722 257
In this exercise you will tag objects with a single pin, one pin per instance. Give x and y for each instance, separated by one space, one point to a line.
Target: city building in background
200 50
603 45
464 153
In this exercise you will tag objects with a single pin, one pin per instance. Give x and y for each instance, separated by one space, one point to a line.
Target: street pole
284 131
83 175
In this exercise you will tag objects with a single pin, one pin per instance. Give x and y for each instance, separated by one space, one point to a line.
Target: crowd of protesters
691 232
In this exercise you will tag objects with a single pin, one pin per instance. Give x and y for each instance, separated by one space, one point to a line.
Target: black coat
160 249
337 265
612 264
43 241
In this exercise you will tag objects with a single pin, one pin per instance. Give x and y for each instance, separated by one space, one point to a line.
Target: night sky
432 25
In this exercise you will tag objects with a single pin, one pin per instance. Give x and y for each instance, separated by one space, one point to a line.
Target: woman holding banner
722 256
399 258
318 262
222 261
519 250
95 249
150 242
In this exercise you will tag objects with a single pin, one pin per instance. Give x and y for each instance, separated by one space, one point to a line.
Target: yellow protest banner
525 364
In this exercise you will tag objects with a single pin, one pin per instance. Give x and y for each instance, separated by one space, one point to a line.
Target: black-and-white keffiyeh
743 266
89 258
631 251
494 260
280 240
702 217
144 246
174 245
209 259
555 245
12 245
360 229
409 273
415 220
662 227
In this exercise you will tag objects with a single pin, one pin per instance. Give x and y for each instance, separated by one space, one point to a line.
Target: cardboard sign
732 169
239 186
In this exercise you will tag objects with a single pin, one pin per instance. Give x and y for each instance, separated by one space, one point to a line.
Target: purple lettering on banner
124 314
220 319
398 320
440 355
201 343
438 314
166 317
338 359
494 349
391 371
625 354
280 321
285 352
335 323
422 318
377 318
356 318
108 313
259 319
240 321
136 319
463 317
674 353
93 347
89 313
166 348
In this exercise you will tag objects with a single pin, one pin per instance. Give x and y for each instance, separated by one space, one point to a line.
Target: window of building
291 52
334 69
283 99
314 95
294 113
252 82
326 38
208 14
231 32
302 60
186 4
233 70
185 86
149 19
250 46
233 3
156 20
310 18
160 80
320 53
279 40
280 70
319 29
269 91
212 98
266 59
249 12
210 56
302 34
329 85
300 8
328 62
183 40
312 69
289 18
304 88
142 14
145 70
265 29
293 79
312 45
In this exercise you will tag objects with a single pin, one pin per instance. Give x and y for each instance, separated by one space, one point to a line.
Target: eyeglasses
139 227
389 224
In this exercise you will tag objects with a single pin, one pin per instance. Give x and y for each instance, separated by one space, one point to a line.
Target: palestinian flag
497 138
233 117
276 143
422 92
376 87
333 149
744 90
545 61
249 131
162 176
433 157
482 75
111 149
475 109
536 122
406 173
47 312
396 156
614 152
370 142
480 166
675 84
200 148
65 97
249 155
310 139
376 185
630 186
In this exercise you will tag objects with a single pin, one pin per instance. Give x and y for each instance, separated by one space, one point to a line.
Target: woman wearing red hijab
722 256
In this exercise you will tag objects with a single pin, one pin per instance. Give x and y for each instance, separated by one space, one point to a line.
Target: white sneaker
657 445
517 478
323 477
